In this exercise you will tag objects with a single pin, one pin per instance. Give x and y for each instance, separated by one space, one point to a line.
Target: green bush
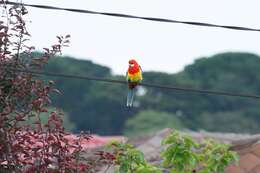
149 121
181 155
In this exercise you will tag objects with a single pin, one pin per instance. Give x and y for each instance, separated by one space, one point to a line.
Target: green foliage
233 72
183 155
131 160
148 121
180 153
100 107
215 157
92 106
230 120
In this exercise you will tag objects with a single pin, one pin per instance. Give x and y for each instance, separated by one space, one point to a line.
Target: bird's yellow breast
136 77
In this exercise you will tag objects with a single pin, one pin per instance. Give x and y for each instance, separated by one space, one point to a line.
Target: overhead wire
155 19
200 91
168 87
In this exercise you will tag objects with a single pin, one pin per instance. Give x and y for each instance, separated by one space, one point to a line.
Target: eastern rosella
133 77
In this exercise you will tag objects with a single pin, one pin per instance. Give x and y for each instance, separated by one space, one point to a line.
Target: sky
157 46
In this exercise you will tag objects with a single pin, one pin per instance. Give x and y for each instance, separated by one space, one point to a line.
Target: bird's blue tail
130 97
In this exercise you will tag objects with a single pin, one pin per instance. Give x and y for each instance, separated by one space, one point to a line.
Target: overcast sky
157 46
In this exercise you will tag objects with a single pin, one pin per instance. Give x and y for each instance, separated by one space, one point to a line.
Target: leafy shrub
130 160
181 155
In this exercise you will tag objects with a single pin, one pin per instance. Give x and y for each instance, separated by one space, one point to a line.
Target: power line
241 28
192 90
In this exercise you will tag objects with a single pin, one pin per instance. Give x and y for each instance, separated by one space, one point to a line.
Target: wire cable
192 90
241 28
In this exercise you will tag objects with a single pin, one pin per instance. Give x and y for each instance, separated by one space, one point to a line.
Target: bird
133 77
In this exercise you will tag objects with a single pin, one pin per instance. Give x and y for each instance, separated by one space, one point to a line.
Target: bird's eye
131 65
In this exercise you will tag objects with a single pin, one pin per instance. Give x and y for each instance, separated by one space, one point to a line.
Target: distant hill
100 107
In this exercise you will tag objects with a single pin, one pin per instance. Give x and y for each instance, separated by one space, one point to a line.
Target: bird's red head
133 66
132 61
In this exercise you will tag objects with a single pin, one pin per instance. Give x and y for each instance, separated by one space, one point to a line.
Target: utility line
192 90
241 28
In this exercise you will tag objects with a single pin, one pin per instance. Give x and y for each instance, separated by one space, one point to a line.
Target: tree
102 105
236 122
232 72
42 146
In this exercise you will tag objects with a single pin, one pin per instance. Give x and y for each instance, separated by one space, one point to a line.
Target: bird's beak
131 65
